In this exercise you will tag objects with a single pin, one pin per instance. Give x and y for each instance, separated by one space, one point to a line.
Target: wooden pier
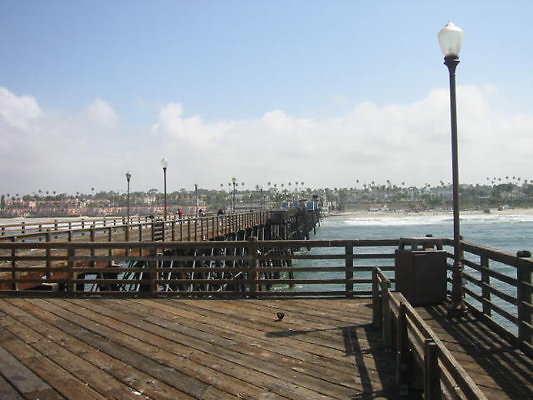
201 320
191 349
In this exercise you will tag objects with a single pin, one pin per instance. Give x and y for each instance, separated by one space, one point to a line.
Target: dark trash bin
420 265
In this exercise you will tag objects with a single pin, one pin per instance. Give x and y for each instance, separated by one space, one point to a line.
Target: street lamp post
450 41
128 177
234 182
164 164
196 198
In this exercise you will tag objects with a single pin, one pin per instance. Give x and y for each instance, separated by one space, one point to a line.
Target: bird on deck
280 315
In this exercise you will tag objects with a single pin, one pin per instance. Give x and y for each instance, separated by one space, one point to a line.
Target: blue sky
326 92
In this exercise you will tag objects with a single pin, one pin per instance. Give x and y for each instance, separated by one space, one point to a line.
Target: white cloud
18 112
101 113
401 142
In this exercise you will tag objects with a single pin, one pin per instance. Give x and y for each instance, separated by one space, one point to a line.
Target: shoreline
349 214
405 213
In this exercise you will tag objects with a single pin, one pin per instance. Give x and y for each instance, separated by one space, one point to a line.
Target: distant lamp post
128 177
234 182
164 164
450 41
196 198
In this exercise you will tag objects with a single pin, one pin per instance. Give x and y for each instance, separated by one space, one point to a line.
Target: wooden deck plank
8 392
182 352
58 378
169 318
292 337
242 347
162 356
166 340
22 379
141 355
273 367
43 321
90 374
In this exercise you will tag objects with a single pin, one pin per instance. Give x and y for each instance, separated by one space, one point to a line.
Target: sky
329 93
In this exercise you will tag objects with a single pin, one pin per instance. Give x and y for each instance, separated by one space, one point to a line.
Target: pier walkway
191 349
227 349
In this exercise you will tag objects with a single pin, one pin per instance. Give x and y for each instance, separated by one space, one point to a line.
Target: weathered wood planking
499 369
192 349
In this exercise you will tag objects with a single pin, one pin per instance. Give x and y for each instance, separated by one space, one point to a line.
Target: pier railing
497 284
133 229
204 268
414 342
498 288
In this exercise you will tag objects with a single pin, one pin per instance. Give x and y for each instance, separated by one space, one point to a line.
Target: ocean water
502 231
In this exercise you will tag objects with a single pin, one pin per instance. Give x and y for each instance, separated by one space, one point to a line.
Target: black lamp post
234 182
128 177
164 164
196 198
450 41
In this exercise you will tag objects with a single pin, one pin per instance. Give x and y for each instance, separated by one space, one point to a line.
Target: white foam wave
413 220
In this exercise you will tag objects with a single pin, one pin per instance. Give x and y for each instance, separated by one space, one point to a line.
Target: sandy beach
404 213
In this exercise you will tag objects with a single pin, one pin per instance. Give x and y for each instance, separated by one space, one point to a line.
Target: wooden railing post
403 356
70 274
254 265
153 277
485 280
93 239
524 299
349 270
14 285
386 323
110 239
174 229
432 389
376 300
48 255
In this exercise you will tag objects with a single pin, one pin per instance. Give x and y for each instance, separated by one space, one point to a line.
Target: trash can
420 265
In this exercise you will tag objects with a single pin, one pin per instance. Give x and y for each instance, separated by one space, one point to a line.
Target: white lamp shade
450 39
164 162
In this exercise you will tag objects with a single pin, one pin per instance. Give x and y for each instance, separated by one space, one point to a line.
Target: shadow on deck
500 369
